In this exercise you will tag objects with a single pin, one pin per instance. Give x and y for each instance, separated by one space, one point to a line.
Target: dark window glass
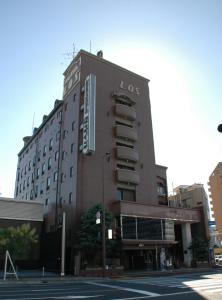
149 229
129 227
126 195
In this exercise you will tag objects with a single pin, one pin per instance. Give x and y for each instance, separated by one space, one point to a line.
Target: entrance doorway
142 259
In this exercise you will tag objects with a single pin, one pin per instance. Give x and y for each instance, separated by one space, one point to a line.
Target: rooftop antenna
33 122
70 55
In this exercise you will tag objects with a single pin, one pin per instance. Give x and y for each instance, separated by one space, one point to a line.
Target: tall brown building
215 189
95 145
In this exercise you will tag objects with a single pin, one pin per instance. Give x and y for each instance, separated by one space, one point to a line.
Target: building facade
16 213
97 145
215 190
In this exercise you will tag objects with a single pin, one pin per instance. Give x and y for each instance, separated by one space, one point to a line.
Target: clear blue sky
176 44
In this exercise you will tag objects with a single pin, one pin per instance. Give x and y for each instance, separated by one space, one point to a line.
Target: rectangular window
46 202
71 172
73 125
56 155
36 191
50 144
70 198
55 176
49 163
48 183
129 227
72 148
149 229
44 150
43 169
126 195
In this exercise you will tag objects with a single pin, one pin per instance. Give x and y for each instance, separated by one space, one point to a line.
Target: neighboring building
192 196
98 144
15 213
215 190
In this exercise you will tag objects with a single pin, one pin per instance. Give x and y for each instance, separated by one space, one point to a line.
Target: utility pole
63 243
106 155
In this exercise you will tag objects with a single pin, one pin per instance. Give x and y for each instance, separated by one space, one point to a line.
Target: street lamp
219 128
105 157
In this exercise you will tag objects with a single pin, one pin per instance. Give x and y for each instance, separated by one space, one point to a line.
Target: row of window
56 157
48 180
61 200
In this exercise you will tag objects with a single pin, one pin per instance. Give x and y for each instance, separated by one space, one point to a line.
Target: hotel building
97 144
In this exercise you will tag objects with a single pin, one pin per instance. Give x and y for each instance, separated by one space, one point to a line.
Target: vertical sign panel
89 114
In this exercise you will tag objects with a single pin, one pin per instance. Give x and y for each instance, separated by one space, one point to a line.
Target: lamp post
105 156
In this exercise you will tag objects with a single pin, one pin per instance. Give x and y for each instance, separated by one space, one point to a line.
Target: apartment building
215 190
97 145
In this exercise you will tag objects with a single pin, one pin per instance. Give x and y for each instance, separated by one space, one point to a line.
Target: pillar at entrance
187 239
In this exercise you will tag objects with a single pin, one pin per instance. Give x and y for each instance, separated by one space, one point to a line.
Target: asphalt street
196 286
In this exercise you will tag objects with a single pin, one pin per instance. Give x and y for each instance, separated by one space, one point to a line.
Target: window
34 160
18 176
74 97
24 184
56 155
119 166
65 132
71 172
46 202
36 191
66 105
48 183
55 176
20 188
57 136
21 173
31 195
39 155
63 155
50 144
49 163
41 187
72 148
60 202
44 150
73 125
70 198
25 170
123 144
126 195
43 168
32 177
28 180
29 165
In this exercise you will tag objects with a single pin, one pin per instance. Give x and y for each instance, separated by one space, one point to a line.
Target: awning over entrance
157 211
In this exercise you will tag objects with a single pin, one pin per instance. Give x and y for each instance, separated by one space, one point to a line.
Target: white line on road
47 297
125 289
160 295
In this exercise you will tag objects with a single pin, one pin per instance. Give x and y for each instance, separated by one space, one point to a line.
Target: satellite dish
219 128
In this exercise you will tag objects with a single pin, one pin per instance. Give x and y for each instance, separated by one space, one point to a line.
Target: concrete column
187 239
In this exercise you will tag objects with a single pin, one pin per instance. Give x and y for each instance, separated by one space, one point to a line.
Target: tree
18 240
90 236
199 246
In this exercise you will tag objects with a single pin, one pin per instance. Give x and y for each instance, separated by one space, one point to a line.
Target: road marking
117 287
63 297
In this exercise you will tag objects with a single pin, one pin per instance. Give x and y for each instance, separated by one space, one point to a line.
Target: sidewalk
31 277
